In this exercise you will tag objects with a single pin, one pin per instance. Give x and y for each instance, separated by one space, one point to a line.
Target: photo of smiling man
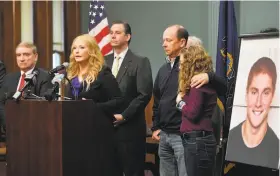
253 141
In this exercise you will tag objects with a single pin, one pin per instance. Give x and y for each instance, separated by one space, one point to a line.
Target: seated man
26 56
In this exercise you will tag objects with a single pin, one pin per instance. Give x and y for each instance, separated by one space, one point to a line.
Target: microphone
58 78
71 86
30 80
58 68
51 94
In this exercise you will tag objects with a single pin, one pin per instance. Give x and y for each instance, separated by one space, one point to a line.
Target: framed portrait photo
255 121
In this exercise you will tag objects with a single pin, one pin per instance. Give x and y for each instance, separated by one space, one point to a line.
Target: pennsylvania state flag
226 64
227 53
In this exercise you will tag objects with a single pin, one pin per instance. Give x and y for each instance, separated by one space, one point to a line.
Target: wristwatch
180 105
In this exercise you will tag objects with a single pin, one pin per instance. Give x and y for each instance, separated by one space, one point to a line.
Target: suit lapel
15 82
110 60
126 61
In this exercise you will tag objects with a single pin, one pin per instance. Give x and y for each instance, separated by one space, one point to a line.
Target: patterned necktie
115 68
22 81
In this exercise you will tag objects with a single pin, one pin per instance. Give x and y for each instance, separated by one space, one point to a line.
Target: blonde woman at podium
90 78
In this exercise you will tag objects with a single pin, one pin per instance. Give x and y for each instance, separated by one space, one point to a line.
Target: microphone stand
30 95
51 94
30 81
72 87
19 93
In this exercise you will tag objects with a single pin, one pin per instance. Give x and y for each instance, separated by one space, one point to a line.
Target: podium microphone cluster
30 80
59 68
51 94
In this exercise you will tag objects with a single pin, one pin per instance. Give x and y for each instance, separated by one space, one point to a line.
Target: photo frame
248 122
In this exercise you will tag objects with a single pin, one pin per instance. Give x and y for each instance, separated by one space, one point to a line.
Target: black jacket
104 92
136 84
165 114
2 73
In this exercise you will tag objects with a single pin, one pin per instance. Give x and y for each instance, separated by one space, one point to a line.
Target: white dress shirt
171 61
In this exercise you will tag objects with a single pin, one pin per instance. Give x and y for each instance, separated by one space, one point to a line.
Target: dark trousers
130 157
199 154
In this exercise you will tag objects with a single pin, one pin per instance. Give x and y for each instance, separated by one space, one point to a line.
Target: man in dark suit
26 56
134 76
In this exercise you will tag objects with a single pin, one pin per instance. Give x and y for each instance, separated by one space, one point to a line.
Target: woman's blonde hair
193 60
95 61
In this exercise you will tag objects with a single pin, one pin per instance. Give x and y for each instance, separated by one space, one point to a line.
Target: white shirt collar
28 72
169 60
122 54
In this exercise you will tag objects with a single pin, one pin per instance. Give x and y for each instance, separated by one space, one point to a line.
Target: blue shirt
76 85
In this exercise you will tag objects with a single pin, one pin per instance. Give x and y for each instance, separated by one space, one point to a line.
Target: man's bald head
175 38
181 32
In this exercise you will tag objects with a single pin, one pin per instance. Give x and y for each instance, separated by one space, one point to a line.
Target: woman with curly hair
90 78
197 106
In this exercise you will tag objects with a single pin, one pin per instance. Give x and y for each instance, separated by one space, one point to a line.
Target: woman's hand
118 117
199 80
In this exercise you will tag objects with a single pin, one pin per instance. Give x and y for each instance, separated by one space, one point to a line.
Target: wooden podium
58 138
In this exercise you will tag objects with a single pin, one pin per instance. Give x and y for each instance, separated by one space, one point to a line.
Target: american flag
98 26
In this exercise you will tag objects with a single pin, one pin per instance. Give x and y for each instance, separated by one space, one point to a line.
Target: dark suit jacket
104 92
2 73
10 84
136 84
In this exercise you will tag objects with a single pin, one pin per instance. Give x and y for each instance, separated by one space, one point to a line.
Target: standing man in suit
134 76
26 56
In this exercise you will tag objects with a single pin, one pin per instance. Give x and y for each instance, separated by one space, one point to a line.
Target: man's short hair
127 28
263 65
182 33
28 45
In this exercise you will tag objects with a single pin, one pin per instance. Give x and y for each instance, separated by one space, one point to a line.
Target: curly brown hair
193 60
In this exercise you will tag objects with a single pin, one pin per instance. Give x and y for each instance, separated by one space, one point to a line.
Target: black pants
199 154
130 157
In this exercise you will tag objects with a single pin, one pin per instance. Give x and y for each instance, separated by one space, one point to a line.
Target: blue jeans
171 154
199 155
